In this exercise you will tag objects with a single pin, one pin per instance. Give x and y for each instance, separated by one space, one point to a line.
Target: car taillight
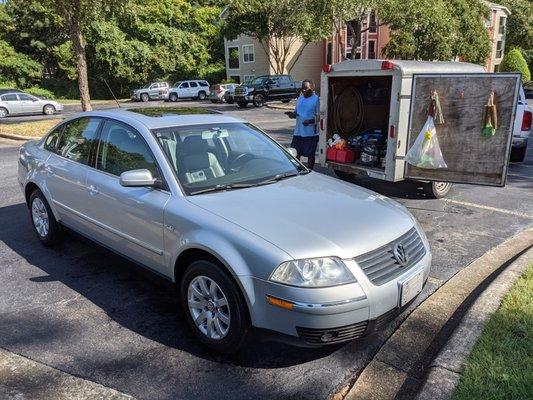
387 65
526 121
392 131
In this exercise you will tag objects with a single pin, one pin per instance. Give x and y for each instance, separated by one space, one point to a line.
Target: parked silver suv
151 91
251 237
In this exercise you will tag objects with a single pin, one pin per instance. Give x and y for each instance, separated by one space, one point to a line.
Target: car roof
161 117
10 90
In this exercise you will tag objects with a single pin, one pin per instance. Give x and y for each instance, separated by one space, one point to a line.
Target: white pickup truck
388 101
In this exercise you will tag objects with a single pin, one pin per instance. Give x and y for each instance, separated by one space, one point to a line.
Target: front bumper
243 98
344 312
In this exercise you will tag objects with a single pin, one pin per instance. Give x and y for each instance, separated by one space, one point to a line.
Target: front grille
380 265
240 91
336 335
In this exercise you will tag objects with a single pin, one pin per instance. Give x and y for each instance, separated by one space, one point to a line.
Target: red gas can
331 154
345 156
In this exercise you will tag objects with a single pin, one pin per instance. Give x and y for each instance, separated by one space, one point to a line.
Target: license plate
410 288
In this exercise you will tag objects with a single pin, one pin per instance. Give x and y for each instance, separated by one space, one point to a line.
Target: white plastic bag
425 152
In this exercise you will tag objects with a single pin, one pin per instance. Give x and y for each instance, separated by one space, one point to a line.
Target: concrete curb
445 370
22 378
18 137
399 367
286 107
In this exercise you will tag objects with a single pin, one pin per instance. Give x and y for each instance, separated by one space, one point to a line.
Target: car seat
198 163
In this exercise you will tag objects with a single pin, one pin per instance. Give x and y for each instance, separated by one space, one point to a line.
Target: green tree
519 32
283 27
15 68
514 61
437 30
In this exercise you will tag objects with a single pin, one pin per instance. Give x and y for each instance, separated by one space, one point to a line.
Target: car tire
49 109
173 97
242 104
43 220
259 100
518 154
231 335
3 112
345 176
437 190
202 95
145 97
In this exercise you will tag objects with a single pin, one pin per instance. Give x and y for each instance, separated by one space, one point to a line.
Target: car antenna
112 94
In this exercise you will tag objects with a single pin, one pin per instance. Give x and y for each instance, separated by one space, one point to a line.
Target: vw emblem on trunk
400 254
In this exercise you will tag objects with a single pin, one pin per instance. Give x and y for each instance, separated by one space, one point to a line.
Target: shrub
514 61
40 92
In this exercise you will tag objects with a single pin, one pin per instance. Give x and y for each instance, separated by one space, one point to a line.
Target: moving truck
387 102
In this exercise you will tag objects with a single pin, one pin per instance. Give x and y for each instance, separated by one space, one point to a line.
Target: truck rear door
470 157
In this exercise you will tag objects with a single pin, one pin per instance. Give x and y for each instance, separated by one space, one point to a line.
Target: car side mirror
292 151
137 178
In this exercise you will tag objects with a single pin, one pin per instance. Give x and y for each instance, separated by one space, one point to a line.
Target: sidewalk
22 378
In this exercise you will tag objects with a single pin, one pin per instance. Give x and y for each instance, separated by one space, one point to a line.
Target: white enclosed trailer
395 99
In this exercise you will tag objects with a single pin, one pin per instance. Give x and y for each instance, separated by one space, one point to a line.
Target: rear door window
122 149
9 97
78 139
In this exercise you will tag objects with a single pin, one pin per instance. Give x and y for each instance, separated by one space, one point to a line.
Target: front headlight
250 90
313 272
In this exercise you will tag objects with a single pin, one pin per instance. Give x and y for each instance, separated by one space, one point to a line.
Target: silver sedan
24 103
251 237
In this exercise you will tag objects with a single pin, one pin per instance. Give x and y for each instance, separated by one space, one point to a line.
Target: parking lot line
489 208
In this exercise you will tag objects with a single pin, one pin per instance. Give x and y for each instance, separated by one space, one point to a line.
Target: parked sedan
251 237
23 103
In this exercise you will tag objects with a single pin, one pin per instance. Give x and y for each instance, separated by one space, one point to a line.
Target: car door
66 171
183 90
153 92
129 219
194 89
12 103
274 88
470 156
29 104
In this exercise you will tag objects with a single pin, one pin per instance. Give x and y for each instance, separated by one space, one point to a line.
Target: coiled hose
348 111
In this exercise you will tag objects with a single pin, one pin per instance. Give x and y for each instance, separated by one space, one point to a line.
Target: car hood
312 215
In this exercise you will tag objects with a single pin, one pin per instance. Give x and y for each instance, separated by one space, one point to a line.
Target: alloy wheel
3 112
40 217
49 110
208 307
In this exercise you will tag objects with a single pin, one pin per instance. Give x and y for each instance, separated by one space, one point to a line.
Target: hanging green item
491 118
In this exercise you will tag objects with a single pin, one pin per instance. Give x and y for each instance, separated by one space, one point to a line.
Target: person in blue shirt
305 138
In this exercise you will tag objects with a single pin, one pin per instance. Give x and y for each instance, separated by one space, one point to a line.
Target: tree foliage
519 31
437 30
514 61
282 27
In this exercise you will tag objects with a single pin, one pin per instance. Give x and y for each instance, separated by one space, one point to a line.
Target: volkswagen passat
250 236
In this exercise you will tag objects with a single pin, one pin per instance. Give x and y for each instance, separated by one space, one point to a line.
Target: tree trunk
354 44
81 64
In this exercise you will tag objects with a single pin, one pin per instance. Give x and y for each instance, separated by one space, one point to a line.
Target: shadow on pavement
128 294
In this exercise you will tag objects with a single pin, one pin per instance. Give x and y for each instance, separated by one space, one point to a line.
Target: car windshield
224 156
260 80
147 86
177 84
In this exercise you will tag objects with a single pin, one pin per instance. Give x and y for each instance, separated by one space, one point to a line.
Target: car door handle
49 170
93 190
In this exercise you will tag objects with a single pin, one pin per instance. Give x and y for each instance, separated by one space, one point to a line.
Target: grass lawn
501 363
30 129
93 102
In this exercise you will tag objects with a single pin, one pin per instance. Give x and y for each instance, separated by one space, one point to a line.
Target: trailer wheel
437 190
345 176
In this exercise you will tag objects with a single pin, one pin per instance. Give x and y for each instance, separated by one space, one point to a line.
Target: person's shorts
305 145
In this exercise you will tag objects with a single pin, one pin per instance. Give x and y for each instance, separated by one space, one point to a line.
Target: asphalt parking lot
85 311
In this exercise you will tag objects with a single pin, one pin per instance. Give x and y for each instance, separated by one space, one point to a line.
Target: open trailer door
471 156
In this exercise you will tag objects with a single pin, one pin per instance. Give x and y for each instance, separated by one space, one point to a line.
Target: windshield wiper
279 177
217 188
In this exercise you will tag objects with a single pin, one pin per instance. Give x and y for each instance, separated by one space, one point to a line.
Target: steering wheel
237 163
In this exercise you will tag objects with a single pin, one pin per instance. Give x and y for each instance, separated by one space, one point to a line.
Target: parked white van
388 101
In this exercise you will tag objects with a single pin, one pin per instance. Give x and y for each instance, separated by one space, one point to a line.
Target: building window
235 78
248 55
247 78
372 23
233 57
329 53
501 27
371 49
499 49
